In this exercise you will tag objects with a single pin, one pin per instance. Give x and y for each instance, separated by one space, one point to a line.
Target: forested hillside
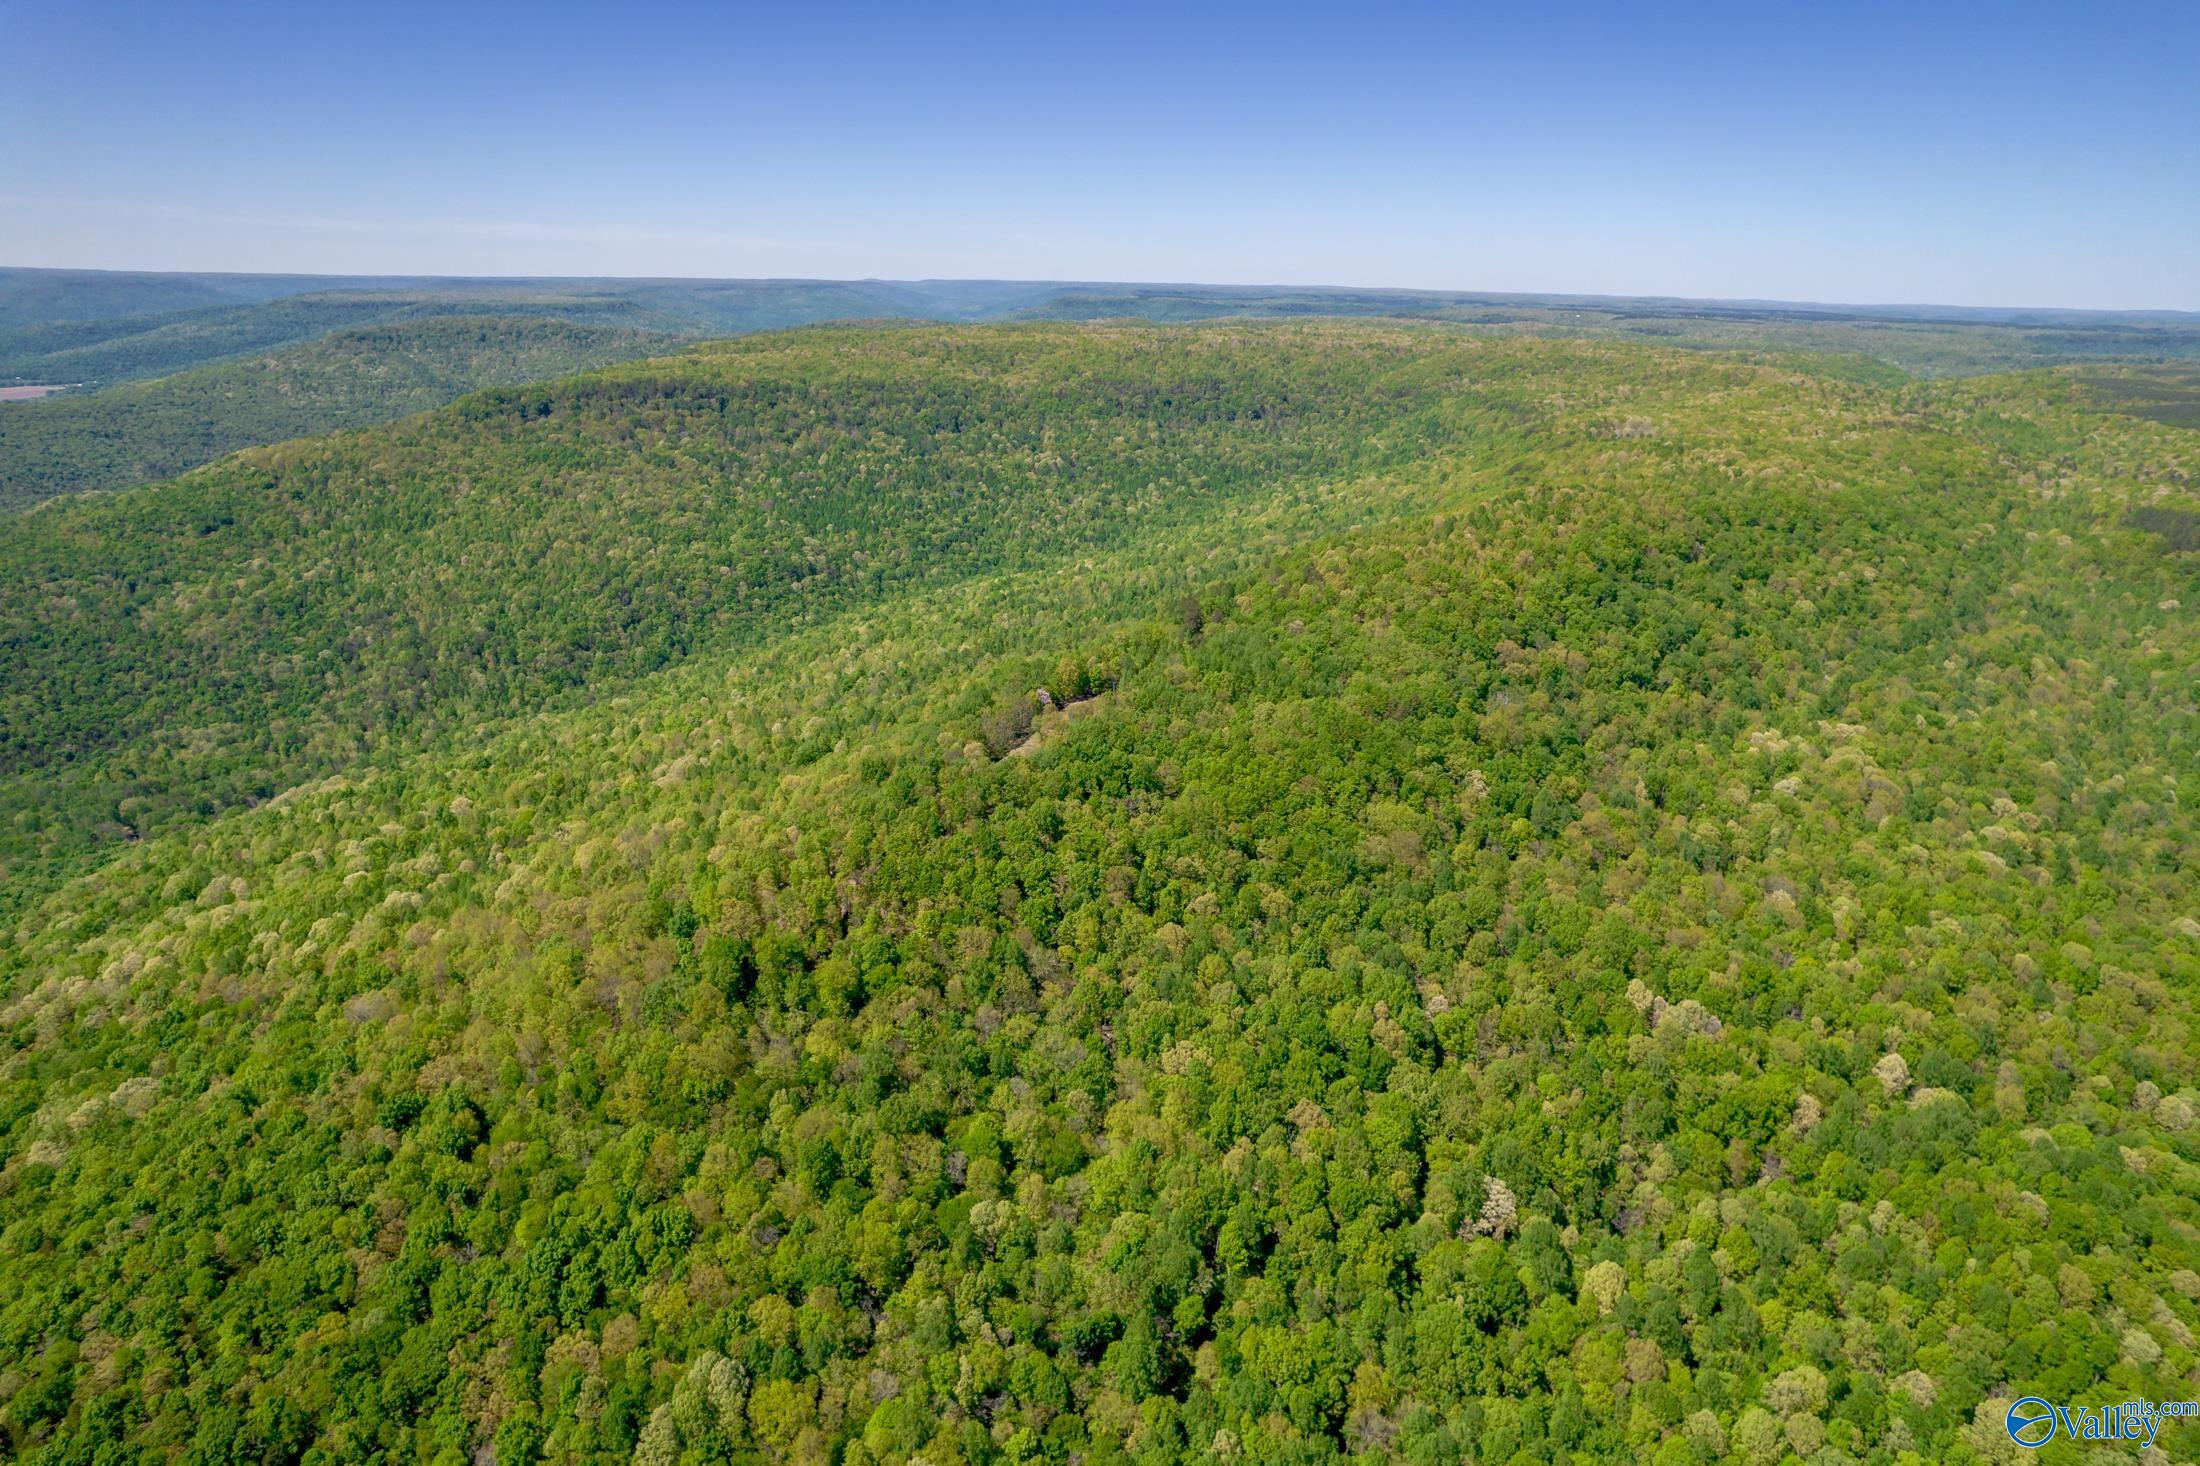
160 373
156 429
97 329
1230 893
280 614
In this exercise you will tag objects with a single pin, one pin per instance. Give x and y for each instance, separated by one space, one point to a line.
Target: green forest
155 429
161 373
1230 892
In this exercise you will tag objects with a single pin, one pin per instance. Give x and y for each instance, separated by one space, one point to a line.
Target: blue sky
2005 154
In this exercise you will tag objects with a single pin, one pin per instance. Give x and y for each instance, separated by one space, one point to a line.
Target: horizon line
399 278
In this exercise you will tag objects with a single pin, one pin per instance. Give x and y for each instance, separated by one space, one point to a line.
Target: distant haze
2019 155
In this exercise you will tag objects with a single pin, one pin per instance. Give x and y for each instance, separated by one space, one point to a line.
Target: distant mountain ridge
139 431
84 326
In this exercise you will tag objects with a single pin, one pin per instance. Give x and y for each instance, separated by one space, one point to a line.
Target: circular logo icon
2031 1422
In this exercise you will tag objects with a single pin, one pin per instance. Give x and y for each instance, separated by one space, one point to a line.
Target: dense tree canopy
276 615
1233 894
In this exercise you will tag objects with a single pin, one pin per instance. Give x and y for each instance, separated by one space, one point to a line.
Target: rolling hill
85 327
295 355
229 362
1598 901
159 428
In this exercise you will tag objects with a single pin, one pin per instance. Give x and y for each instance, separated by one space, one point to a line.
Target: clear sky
1996 154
